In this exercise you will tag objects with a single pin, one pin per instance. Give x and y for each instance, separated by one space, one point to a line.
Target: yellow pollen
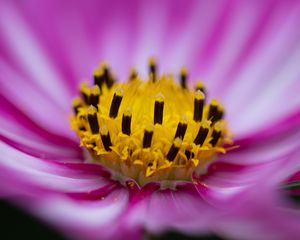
150 130
200 86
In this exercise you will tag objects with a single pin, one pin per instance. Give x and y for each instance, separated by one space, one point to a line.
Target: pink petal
182 209
80 180
260 215
37 107
84 219
40 71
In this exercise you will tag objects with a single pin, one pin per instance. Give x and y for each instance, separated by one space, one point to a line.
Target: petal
21 132
79 199
80 180
36 107
260 215
40 71
268 143
83 219
265 82
181 209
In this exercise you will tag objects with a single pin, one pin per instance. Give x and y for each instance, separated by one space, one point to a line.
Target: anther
159 109
200 86
77 103
152 69
181 128
216 134
189 154
213 111
148 134
105 70
99 78
106 74
84 91
82 128
94 96
105 137
93 119
81 125
126 122
111 80
133 74
202 133
220 113
183 77
198 105
174 149
115 103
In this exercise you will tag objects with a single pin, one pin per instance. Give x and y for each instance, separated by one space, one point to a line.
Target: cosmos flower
245 52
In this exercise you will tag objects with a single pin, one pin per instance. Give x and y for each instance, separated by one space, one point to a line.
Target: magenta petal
229 174
225 181
83 219
40 112
295 176
279 130
39 70
182 209
18 168
20 131
62 193
260 215
277 139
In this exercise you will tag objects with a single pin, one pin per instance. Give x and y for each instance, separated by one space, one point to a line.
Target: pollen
152 129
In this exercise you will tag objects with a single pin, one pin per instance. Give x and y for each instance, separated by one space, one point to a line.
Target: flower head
149 130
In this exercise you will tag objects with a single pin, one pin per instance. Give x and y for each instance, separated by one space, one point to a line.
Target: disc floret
152 129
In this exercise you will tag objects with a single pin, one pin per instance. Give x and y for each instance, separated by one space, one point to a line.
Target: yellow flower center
149 130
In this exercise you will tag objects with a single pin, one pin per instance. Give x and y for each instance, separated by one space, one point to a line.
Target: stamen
200 86
183 77
77 103
82 128
152 69
107 75
198 106
133 74
216 134
115 104
111 80
174 149
213 111
148 134
181 128
84 91
202 133
220 113
188 154
105 137
159 109
93 119
99 78
81 125
94 96
126 122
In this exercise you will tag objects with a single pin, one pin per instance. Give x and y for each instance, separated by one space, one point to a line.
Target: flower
247 54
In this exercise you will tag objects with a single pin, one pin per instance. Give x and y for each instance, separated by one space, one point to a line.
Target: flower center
149 130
